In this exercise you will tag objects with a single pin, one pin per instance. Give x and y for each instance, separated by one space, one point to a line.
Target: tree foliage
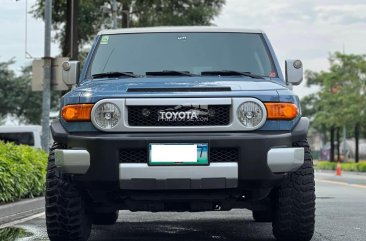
94 15
341 99
17 98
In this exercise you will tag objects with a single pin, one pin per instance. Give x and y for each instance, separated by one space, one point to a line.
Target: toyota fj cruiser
180 119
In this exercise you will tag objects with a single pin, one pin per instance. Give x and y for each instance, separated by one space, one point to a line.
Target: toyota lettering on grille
184 113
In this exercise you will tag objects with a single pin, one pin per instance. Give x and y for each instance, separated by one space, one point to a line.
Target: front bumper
263 158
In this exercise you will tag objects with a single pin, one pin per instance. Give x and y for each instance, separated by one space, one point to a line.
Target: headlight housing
106 115
251 114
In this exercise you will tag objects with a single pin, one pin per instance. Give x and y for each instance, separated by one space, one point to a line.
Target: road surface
340 215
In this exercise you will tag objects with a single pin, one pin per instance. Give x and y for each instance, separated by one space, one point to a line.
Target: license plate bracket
177 154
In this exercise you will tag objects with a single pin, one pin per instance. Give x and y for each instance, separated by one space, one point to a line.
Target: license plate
178 154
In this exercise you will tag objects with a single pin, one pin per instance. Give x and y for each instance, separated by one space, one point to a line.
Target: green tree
6 83
341 99
17 98
93 15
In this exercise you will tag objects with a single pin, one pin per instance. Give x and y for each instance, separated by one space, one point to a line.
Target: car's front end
247 137
187 128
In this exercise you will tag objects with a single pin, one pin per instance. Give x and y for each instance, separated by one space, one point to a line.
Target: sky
12 35
303 29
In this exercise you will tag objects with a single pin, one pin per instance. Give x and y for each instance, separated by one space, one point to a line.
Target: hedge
22 172
347 166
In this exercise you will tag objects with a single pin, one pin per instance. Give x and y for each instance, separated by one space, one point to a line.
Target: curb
21 209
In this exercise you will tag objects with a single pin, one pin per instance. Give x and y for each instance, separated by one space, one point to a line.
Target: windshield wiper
230 73
114 74
170 73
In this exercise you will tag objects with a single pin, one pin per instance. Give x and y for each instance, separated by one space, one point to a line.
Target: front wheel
66 217
294 214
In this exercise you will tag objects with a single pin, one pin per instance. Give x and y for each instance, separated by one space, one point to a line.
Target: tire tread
66 218
294 217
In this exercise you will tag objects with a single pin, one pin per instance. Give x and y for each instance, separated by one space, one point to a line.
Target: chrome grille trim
123 126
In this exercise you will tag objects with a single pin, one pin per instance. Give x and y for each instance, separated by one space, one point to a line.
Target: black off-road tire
294 202
105 218
262 216
66 217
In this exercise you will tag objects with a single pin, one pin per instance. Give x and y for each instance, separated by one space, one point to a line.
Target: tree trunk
75 50
338 145
70 47
66 43
357 137
125 15
324 136
332 144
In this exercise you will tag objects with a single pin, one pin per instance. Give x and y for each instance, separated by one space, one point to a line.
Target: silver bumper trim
72 161
228 170
285 159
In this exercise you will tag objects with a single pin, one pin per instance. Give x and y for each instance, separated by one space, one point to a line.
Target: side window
25 138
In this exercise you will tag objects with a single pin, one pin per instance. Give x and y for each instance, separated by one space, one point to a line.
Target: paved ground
341 215
21 209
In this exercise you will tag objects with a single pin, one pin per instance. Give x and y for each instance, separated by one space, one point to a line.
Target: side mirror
294 71
70 72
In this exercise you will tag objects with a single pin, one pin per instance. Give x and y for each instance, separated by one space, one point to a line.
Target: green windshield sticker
104 40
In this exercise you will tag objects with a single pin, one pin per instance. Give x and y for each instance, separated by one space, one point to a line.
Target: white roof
179 30
29 128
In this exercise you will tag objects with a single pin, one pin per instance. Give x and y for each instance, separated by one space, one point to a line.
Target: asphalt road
341 215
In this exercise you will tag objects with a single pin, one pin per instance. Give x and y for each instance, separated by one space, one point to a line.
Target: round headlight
251 114
107 115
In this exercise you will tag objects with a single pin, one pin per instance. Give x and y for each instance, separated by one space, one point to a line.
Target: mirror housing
71 72
294 71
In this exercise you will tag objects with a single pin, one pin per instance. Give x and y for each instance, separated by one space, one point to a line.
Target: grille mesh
224 155
214 115
215 155
133 155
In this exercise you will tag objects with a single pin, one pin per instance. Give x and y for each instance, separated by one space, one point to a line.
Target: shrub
347 166
22 172
362 167
323 165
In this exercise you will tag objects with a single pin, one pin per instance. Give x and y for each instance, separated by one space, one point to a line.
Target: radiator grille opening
133 155
214 115
224 155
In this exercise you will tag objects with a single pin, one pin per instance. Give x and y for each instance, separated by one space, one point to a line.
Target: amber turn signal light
78 112
281 111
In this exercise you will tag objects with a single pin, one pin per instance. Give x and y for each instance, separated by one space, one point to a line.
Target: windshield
189 52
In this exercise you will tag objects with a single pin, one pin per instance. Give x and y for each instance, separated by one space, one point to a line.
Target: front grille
224 155
215 155
213 115
133 155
